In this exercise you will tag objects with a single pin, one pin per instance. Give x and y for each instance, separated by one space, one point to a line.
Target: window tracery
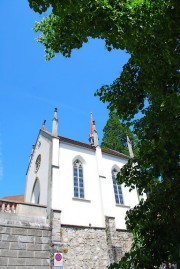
78 179
117 189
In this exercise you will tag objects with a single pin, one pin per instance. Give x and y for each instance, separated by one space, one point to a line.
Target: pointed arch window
36 192
78 179
117 189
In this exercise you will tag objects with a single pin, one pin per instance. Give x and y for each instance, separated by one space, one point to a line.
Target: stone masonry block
42 240
4 245
55 238
3 261
32 261
26 239
8 253
7 267
4 230
25 254
9 238
45 247
41 254
57 215
4 237
46 233
17 245
19 231
22 267
16 261
39 267
45 262
56 224
35 232
32 246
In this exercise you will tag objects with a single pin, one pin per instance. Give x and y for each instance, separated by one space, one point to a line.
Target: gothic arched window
36 192
78 179
117 189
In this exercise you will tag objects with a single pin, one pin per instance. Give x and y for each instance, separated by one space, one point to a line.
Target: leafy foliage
115 135
149 31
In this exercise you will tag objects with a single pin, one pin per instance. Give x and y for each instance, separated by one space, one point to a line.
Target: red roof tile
74 142
84 145
19 198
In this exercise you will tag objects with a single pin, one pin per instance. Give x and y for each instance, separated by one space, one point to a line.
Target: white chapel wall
75 211
130 198
99 198
42 148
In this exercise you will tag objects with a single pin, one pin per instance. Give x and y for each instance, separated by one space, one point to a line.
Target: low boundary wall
29 238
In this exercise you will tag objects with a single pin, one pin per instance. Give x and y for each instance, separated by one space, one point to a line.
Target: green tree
115 135
149 31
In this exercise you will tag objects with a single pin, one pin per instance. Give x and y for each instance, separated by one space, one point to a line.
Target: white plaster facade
54 174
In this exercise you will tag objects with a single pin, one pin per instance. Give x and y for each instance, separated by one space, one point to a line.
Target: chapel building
78 179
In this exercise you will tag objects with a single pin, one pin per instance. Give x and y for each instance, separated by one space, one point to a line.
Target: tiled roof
84 145
74 142
114 153
19 198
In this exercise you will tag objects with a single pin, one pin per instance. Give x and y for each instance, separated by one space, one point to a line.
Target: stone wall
84 248
118 241
29 238
89 247
24 239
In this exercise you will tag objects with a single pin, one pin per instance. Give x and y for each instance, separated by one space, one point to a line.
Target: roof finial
44 125
55 123
93 136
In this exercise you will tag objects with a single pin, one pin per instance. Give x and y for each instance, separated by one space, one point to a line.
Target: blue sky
30 89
